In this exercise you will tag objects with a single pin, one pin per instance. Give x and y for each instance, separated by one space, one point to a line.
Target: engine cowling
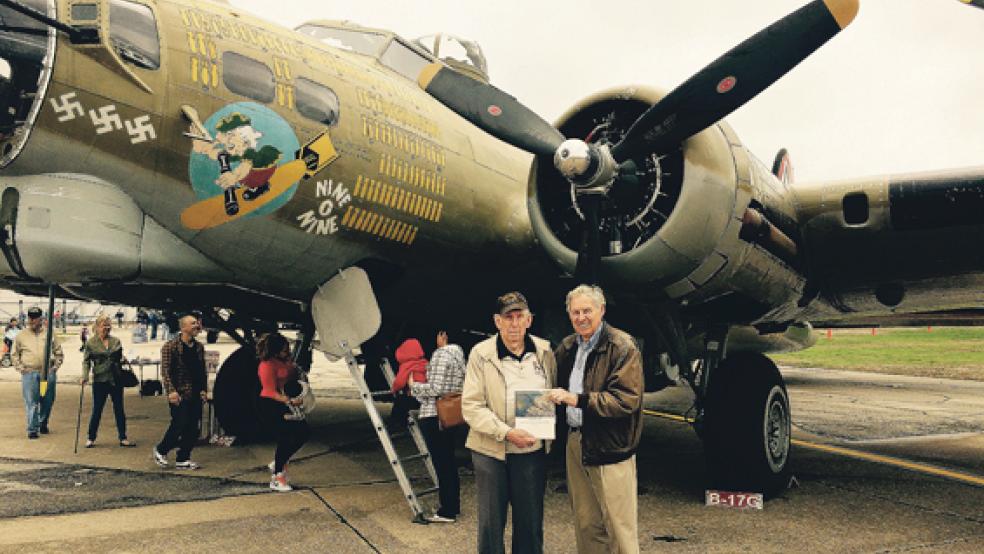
658 230
683 228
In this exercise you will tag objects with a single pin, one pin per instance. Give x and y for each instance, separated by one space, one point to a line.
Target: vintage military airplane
186 155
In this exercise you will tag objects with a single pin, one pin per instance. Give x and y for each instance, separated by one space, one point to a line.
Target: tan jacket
483 400
27 352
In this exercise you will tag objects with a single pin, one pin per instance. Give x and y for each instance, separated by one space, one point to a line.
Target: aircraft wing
891 245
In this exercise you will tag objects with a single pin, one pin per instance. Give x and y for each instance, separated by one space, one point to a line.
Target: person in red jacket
410 356
275 370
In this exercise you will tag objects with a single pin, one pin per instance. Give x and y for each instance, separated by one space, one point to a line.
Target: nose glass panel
27 48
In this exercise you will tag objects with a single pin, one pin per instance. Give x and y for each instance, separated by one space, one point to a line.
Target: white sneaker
187 464
159 459
437 518
278 482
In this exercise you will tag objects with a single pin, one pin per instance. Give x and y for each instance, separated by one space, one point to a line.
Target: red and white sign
727 499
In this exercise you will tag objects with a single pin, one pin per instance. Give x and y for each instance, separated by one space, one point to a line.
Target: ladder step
378 393
425 492
415 457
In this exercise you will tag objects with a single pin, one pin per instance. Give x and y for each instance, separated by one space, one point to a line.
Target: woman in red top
276 369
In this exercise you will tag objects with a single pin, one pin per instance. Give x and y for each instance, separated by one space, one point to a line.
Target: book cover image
535 413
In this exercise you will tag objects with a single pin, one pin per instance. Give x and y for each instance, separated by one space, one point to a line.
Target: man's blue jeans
38 409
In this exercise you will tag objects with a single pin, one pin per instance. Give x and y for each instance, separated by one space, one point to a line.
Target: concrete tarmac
113 499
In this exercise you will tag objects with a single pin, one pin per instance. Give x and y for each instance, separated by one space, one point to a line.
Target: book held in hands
535 413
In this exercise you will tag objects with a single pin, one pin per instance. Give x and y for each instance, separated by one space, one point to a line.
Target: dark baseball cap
511 301
34 312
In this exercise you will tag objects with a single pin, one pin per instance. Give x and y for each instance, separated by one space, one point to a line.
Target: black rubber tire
747 426
236 396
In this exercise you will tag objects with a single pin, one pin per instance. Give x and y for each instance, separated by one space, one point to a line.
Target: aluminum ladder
396 461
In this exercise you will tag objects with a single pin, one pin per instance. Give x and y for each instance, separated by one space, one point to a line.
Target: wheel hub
777 428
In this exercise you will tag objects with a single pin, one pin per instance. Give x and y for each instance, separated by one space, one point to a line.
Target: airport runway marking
861 455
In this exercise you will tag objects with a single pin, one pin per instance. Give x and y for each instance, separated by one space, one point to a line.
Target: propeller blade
736 77
589 255
490 109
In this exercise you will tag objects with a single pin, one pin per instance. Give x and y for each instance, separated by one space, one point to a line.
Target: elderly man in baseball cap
28 359
510 463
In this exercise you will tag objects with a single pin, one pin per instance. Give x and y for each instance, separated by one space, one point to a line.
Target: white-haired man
600 371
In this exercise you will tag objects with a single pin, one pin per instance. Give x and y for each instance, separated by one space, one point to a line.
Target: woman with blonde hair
103 356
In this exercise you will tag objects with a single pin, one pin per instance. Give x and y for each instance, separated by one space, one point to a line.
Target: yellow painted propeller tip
44 387
843 11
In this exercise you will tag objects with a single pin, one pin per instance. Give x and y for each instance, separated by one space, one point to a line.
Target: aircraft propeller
709 95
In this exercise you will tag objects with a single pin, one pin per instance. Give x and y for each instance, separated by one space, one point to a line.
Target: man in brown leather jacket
600 371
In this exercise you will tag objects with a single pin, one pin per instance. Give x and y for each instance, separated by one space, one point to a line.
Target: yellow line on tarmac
892 461
858 454
665 415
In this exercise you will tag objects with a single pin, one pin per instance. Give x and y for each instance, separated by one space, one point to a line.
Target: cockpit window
456 52
133 34
362 42
317 102
248 77
403 60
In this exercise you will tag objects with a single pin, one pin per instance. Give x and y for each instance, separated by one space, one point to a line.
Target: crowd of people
185 386
593 377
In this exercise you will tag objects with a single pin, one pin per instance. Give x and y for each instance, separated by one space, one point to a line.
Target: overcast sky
901 89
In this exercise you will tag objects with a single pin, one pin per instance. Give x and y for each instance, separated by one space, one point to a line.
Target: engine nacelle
666 227
706 221
72 228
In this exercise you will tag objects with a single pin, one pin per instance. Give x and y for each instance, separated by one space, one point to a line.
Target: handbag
126 377
449 410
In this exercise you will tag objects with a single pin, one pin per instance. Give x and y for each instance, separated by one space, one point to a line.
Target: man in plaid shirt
186 386
445 374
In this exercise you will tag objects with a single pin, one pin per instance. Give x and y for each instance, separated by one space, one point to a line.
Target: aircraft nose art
27 49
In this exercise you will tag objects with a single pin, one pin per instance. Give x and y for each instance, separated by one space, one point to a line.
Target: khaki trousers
605 503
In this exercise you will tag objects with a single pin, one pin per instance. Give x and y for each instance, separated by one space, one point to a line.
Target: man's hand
174 398
442 339
561 396
520 438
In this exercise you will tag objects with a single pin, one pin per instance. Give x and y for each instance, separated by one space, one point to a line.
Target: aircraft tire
747 426
236 394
